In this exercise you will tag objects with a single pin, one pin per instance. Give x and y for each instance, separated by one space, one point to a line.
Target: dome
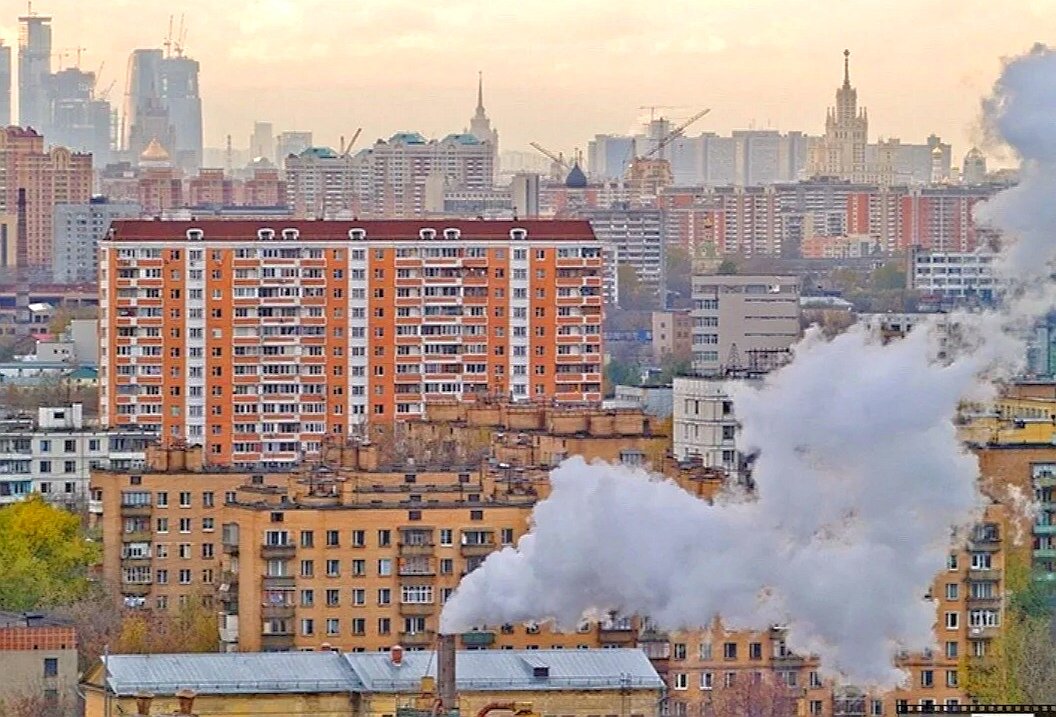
576 179
936 151
974 154
154 152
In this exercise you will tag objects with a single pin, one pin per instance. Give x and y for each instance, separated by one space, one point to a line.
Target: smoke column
860 476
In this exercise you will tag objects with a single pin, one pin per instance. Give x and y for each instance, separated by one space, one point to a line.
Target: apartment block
320 183
705 426
359 549
743 322
53 453
55 176
39 655
77 231
633 238
258 340
959 276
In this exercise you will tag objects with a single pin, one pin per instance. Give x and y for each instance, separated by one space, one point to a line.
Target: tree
621 373
191 628
758 694
888 277
632 293
35 701
44 556
679 269
727 267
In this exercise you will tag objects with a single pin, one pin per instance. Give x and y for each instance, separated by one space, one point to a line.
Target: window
384 625
755 651
681 681
307 626
446 536
359 568
307 539
952 620
814 679
927 678
706 680
333 568
185 525
307 568
332 539
951 591
981 561
384 596
359 626
679 651
705 650
333 626
385 567
384 538
307 598
185 499
951 649
951 562
729 679
729 650
359 538
951 678
51 667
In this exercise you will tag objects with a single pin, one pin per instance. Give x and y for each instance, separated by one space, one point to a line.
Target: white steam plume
860 476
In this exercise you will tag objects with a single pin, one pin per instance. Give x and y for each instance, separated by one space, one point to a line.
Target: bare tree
751 694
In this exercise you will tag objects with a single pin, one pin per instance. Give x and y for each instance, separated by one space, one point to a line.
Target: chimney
445 673
22 232
396 655
186 700
143 700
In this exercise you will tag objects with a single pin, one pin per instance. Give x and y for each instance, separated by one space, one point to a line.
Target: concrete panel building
77 231
743 322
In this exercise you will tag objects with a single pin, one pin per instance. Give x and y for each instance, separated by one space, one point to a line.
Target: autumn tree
36 701
192 627
752 694
632 292
44 556
727 267
679 271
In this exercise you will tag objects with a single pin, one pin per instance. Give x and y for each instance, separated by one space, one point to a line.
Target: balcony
981 574
626 636
1044 553
478 639
476 550
993 603
276 642
136 511
423 638
278 552
417 609
1045 529
229 548
136 536
278 582
135 589
280 612
135 562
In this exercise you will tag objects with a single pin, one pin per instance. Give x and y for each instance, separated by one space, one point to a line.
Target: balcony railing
410 549
470 550
421 638
478 639
277 552
417 609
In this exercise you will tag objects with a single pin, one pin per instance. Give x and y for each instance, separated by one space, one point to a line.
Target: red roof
407 229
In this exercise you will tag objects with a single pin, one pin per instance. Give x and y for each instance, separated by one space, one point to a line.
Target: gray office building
78 229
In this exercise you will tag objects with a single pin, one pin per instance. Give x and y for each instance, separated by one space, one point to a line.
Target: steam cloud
860 476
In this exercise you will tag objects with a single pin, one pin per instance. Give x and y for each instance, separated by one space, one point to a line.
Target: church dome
154 152
576 179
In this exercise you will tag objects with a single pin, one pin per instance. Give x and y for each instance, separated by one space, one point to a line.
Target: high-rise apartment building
321 183
77 231
291 142
632 238
34 70
258 340
57 176
262 141
743 322
5 84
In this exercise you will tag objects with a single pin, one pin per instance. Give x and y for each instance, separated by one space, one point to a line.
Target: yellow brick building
556 683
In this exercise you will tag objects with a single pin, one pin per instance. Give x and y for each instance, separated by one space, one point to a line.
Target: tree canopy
44 556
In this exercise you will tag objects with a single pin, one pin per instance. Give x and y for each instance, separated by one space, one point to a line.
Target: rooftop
32 619
384 230
366 672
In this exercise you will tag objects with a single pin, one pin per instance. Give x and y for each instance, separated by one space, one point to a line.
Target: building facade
77 231
56 176
258 340
54 454
704 425
743 322
957 276
632 238
39 654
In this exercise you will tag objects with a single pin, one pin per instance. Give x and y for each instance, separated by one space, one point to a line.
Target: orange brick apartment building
257 339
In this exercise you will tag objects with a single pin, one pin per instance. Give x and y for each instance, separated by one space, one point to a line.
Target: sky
559 71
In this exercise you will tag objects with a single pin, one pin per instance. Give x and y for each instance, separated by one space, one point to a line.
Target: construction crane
558 165
346 148
105 94
181 39
674 134
653 108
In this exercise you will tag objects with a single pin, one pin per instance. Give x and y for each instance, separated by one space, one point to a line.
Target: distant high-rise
262 141
179 94
480 126
34 69
842 151
162 102
5 85
76 119
974 171
291 142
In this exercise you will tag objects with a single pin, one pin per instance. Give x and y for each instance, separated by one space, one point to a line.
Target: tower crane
674 134
558 164
346 148
653 108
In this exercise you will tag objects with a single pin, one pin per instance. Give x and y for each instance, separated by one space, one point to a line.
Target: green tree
727 267
679 269
888 277
633 294
44 556
621 373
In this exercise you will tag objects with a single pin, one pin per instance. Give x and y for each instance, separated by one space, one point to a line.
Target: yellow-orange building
577 683
257 340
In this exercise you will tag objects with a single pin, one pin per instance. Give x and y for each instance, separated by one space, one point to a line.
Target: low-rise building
672 334
578 683
53 453
958 276
39 655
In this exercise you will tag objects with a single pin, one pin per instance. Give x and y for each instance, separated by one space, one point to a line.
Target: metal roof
510 670
364 672
231 673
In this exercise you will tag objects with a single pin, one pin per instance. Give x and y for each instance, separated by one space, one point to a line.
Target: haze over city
391 65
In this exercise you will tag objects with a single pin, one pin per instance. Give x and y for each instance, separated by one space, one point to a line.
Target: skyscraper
480 125
76 119
262 141
34 69
5 85
841 152
162 103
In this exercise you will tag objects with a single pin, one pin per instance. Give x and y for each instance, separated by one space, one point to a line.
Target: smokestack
143 700
22 232
186 700
445 673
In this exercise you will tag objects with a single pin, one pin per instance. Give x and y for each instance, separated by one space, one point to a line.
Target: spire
480 93
846 68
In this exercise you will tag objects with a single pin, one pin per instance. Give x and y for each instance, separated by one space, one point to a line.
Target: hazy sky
559 71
